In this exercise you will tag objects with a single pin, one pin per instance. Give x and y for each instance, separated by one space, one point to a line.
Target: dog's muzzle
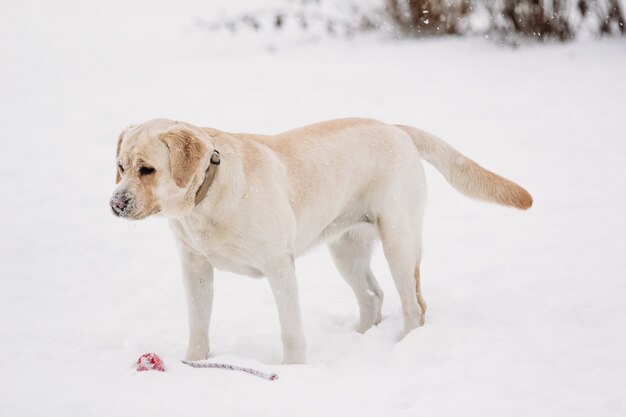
120 203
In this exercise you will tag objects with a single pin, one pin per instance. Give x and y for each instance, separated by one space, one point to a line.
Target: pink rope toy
152 362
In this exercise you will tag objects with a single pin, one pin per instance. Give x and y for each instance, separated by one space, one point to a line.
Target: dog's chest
226 248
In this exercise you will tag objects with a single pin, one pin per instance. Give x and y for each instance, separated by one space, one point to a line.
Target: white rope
269 377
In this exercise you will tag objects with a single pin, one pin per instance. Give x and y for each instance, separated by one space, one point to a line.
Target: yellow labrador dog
251 204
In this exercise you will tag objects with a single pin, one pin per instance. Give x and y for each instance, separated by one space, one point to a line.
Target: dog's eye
146 170
121 168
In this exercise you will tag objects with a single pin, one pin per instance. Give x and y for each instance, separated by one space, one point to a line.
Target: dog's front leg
282 278
198 280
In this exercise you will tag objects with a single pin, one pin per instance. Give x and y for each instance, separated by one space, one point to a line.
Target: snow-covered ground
527 310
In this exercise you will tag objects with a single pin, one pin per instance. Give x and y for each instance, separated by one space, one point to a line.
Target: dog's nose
119 203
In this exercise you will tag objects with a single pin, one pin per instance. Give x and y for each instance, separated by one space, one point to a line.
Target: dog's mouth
133 215
123 205
115 212
155 210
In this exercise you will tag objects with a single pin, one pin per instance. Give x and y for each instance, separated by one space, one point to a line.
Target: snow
526 312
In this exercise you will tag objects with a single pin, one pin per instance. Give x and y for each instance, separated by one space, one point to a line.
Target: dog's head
160 166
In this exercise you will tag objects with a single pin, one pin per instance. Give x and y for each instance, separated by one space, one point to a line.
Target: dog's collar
209 176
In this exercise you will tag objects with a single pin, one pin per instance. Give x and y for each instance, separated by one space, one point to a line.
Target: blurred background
526 309
508 21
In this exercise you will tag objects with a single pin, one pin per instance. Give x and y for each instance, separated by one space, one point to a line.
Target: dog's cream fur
346 182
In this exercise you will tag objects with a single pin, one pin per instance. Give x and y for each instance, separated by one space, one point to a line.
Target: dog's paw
364 326
294 358
370 317
197 355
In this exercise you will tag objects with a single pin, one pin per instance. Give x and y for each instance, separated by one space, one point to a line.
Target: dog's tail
466 175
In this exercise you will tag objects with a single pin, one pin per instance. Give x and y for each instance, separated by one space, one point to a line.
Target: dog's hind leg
351 253
401 240
418 292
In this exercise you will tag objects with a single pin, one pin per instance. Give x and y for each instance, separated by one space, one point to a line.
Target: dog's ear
118 178
186 153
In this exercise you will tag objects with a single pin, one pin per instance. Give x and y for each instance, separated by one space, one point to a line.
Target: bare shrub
537 19
554 19
508 20
428 17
